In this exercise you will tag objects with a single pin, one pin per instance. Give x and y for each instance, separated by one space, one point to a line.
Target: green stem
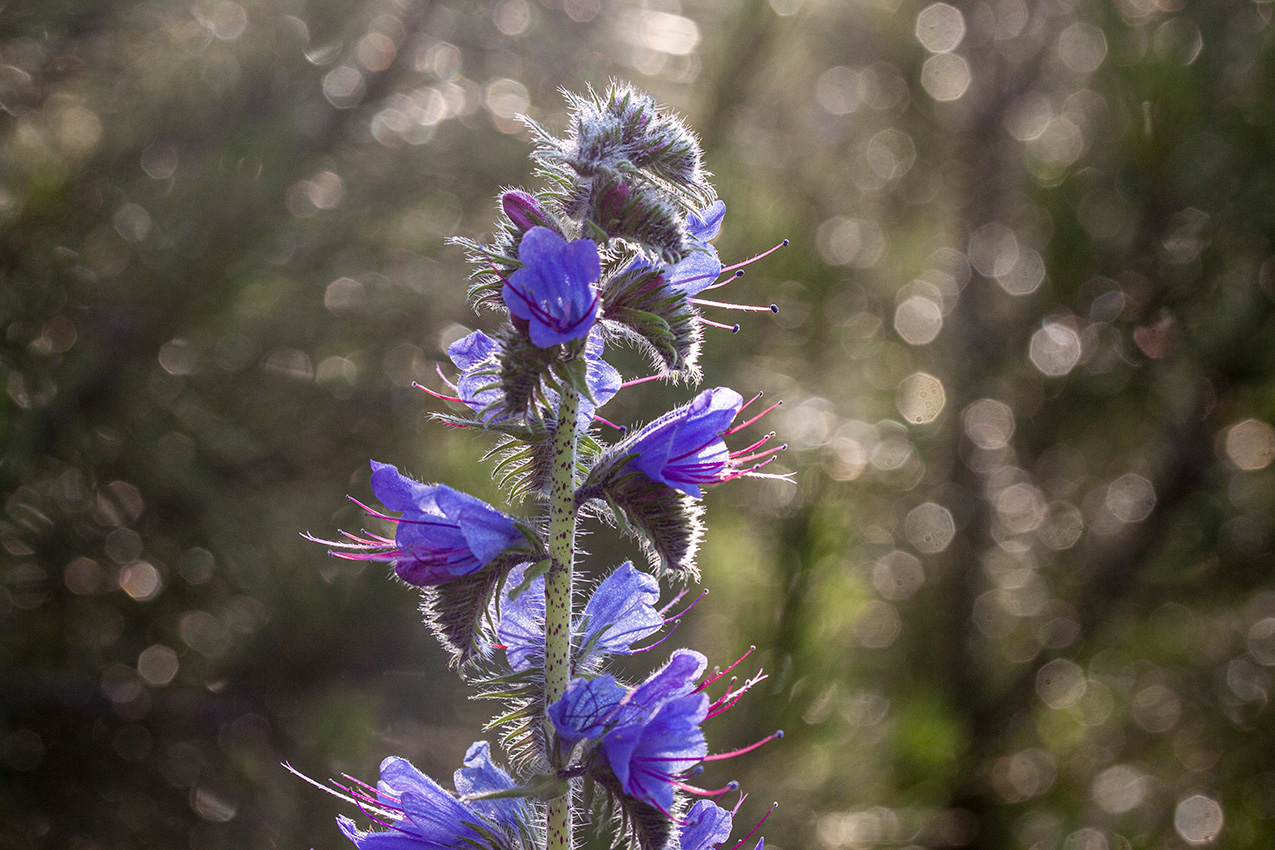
562 533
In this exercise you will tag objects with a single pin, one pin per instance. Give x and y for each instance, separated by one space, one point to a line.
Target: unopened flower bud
523 210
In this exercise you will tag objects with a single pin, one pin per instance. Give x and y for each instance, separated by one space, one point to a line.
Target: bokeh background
1021 594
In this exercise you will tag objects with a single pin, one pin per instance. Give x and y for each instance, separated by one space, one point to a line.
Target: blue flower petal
481 776
622 611
705 826
585 707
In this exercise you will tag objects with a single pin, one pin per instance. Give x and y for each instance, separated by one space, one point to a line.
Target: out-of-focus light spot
891 453
1023 775
929 528
920 398
196 565
1178 40
851 241
343 87
338 374
881 86
178 357
1250 444
1062 527
1025 276
897 576
989 423
375 51
837 90
506 99
344 295
225 19
325 190
1198 819
1060 145
582 11
1261 640
993 249
891 154
1105 215
132 222
1188 235
1028 117
877 625
1156 709
157 665
1055 349
1131 498
1155 338
83 576
213 806
940 28
140 581
1119 789
1082 47
1247 681
204 633
661 31
918 320
159 161
512 17
1020 508
785 8
289 363
57 336
76 129
1060 683
945 76
1011 18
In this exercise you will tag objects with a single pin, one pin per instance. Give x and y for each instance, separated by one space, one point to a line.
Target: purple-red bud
523 210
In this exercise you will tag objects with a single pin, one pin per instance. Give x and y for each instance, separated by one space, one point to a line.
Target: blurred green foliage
1022 595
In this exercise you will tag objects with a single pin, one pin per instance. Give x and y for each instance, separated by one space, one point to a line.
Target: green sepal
542 786
529 575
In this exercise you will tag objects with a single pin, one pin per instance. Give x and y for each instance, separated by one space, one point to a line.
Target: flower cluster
617 249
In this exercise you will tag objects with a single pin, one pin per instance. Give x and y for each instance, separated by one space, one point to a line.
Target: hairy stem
562 533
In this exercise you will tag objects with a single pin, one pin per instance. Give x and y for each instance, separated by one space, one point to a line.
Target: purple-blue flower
704 826
650 736
554 291
701 266
442 534
478 357
421 815
620 612
684 448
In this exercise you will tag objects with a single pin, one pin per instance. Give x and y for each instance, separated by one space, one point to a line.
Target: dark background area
1022 593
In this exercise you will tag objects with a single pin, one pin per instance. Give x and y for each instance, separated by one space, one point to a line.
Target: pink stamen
597 418
426 389
744 425
720 673
682 613
637 381
719 756
756 445
753 831
747 308
439 369
759 455
751 260
372 512
706 792
732 328
649 647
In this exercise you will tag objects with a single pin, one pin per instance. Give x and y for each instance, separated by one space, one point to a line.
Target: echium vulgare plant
614 249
